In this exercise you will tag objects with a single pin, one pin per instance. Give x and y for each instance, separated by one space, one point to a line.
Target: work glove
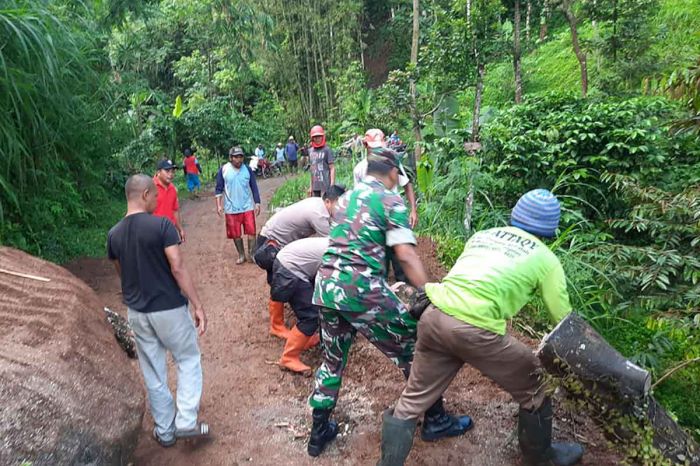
420 303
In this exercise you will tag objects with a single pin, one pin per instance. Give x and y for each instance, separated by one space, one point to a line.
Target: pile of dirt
68 393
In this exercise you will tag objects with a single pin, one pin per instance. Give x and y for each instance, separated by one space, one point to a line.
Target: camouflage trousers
388 327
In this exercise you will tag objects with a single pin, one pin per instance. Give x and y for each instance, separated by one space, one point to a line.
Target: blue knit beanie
537 212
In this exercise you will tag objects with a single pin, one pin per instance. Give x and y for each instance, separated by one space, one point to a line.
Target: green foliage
632 431
296 188
560 140
682 85
354 100
313 41
622 35
54 139
630 218
677 32
291 191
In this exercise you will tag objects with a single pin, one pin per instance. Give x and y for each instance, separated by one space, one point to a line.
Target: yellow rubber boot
296 342
277 327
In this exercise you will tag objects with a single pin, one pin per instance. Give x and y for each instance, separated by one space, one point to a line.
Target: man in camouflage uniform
353 294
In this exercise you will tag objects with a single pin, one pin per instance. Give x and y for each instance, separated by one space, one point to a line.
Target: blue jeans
193 182
156 333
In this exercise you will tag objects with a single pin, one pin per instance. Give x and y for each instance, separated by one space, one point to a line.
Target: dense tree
624 34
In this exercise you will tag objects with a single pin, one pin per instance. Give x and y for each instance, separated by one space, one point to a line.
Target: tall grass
295 189
54 141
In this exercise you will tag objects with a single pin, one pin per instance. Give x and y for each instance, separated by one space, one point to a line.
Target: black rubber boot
238 242
438 424
535 438
397 439
323 431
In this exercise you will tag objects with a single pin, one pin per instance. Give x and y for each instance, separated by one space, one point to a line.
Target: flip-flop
161 442
201 429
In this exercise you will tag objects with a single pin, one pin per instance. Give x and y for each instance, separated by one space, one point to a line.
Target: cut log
616 389
592 359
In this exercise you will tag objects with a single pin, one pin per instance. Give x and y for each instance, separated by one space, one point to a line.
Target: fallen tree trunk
616 390
591 358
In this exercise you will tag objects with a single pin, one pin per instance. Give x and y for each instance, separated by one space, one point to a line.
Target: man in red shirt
167 205
192 171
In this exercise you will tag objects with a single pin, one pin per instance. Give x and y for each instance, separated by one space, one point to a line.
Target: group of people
328 256
289 156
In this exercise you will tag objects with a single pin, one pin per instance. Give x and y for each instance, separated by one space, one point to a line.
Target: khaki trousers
445 343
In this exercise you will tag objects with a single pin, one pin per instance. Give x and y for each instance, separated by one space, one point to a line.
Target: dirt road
260 415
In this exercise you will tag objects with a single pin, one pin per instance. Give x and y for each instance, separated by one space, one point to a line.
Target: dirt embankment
260 415
68 394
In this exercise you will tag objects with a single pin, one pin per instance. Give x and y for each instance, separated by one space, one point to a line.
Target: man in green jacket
495 276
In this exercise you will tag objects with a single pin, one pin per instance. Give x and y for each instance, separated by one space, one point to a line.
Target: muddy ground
259 414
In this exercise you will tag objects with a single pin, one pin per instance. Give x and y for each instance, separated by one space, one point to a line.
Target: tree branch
674 369
442 97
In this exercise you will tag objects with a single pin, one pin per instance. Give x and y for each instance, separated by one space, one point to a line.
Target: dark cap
383 155
235 151
166 164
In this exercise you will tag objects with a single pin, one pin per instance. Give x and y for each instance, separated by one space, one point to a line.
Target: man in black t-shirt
156 287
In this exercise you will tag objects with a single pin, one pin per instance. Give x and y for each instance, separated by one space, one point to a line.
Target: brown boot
313 341
277 327
296 342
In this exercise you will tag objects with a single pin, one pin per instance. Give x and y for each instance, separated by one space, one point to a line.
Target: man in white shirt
374 138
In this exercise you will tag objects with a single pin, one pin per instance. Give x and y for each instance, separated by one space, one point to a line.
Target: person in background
464 319
156 287
254 162
374 139
237 197
280 160
357 146
192 170
260 152
167 205
322 163
291 150
394 139
304 156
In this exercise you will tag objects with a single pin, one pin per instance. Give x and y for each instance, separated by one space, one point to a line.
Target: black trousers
288 288
264 256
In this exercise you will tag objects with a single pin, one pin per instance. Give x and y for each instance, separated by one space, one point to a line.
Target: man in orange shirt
167 205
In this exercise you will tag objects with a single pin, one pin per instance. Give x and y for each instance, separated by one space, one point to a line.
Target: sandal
161 442
201 429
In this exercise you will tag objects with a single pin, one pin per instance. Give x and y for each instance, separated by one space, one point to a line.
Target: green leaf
179 108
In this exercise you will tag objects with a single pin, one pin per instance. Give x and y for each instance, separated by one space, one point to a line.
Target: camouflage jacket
369 219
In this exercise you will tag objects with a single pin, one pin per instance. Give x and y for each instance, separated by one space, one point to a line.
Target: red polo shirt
167 204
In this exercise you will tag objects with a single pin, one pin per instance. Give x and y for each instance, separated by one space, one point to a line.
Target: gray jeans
156 333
